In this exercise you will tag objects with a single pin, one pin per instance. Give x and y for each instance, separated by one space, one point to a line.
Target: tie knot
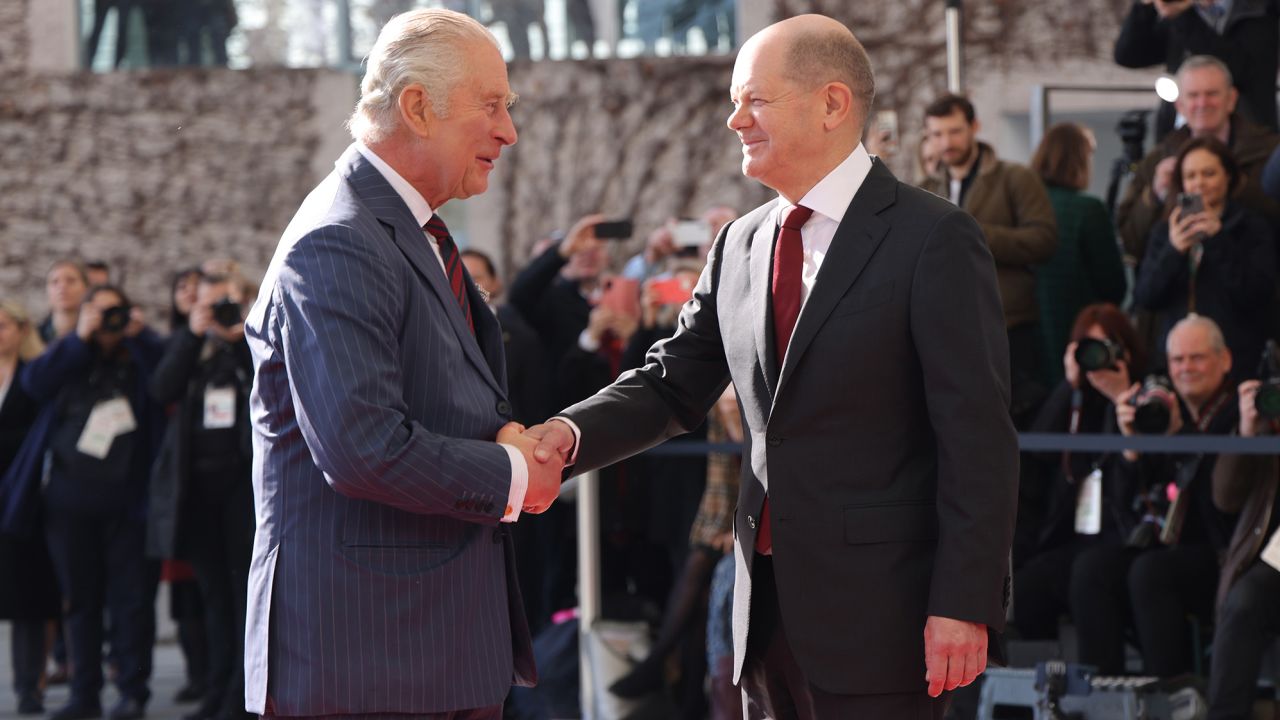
794 217
437 228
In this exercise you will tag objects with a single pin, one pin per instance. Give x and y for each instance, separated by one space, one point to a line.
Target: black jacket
180 378
1248 46
1234 283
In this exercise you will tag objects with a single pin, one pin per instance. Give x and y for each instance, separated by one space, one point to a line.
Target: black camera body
1094 354
1267 401
227 313
115 319
1155 404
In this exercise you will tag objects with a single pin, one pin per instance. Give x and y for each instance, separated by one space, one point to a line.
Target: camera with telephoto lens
226 312
1267 401
1155 402
115 319
1094 354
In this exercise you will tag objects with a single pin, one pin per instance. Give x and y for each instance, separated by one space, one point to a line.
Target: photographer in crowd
1168 567
1072 501
1249 587
1208 102
99 430
1212 256
1245 34
201 495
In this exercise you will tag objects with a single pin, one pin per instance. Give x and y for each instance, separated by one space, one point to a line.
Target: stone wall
149 171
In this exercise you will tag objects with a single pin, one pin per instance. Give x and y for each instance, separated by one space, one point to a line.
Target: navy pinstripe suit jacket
382 581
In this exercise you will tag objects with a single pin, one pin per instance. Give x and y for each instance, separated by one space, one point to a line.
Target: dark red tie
452 266
788 266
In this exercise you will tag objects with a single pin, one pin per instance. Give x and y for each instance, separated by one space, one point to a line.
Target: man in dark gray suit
859 320
382 579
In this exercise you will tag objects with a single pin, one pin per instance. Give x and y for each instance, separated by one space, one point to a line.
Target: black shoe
126 709
189 693
76 710
30 704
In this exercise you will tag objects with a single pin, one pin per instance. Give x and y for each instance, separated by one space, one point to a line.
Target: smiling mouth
487 162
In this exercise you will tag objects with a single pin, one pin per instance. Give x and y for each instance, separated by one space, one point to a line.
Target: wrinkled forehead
1203 79
759 65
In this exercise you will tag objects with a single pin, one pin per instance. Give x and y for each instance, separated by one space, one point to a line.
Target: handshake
546 449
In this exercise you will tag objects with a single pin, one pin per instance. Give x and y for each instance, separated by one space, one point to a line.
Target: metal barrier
588 493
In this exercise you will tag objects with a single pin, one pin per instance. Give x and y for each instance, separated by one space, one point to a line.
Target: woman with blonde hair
28 592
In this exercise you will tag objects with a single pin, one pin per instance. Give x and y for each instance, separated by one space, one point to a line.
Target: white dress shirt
828 200
422 212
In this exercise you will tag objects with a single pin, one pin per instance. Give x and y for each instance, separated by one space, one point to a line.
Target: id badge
219 408
1271 553
108 420
1089 504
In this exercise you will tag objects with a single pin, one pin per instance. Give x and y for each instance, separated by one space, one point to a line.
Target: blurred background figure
28 590
1086 268
65 286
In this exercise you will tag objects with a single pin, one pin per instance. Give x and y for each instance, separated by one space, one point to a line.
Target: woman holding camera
201 494
1075 500
1211 256
98 430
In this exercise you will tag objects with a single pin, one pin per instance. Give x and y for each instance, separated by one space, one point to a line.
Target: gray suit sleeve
340 313
957 327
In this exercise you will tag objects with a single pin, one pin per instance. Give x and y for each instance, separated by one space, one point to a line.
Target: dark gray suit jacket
381 579
884 443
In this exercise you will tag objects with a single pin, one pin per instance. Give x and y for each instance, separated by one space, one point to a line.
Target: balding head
802 89
817 50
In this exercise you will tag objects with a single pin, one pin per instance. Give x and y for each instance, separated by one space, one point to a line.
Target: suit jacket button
751 522
504 408
773 441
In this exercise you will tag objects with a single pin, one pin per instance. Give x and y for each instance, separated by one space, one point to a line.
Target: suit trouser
220 524
100 563
774 687
1248 623
28 647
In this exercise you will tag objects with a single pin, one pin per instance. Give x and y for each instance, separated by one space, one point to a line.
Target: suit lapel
386 205
761 307
855 241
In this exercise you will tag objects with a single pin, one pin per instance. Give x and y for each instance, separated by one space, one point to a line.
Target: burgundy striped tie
452 266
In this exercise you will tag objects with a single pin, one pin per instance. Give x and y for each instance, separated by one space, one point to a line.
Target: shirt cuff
577 437
519 483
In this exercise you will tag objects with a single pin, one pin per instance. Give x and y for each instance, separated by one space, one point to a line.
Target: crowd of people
125 455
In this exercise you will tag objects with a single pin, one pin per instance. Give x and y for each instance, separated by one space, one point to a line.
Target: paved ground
167 677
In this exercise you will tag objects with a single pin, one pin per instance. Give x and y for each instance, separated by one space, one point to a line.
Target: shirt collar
418 205
833 193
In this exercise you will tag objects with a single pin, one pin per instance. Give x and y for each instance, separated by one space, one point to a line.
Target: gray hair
1216 341
1199 62
817 58
420 46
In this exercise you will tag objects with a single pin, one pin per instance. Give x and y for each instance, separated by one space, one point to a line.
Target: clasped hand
546 449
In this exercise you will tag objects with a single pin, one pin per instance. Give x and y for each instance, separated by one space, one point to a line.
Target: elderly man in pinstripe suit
382 580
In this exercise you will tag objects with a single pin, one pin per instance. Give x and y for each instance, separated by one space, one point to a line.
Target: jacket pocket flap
895 522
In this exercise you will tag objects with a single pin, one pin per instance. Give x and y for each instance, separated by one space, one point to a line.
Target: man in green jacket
1012 206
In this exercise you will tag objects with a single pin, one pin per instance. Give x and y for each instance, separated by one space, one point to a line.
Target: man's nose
739 117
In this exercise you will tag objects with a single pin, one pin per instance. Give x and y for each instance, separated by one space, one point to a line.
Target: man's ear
838 104
416 111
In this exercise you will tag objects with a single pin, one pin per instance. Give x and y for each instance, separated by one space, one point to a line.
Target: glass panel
127 34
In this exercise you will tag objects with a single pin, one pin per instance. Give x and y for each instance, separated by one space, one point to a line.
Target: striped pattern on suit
381 580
